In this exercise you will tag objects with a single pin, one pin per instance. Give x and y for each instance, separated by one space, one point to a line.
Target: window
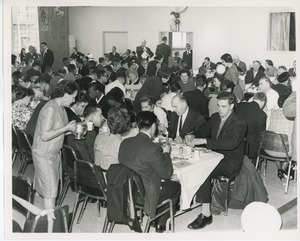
282 34
25 30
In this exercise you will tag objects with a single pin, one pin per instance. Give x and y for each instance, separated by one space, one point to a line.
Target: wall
236 30
57 35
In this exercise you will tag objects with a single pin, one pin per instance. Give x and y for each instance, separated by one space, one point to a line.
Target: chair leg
111 227
74 212
265 168
62 195
147 227
83 207
14 157
172 218
98 208
227 198
105 225
288 178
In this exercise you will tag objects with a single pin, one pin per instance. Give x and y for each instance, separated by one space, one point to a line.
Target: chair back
39 224
15 143
138 190
89 179
21 187
68 159
272 141
24 143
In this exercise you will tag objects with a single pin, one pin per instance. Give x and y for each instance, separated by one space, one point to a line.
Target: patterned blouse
20 114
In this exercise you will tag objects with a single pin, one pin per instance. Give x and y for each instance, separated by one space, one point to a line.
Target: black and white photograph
149 119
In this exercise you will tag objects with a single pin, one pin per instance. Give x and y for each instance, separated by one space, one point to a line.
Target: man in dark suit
255 117
164 49
208 65
47 56
223 133
196 98
143 52
96 92
31 54
113 54
188 56
254 75
142 68
183 120
153 163
111 74
153 86
83 70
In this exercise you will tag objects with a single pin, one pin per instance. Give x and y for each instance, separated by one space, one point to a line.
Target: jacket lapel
225 126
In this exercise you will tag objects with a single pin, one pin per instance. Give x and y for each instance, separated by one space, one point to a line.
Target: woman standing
48 139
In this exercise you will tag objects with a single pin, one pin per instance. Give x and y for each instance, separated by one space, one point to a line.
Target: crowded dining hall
153 119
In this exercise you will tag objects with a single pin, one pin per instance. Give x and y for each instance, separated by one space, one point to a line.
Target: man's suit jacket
153 87
230 141
103 105
152 67
141 71
83 71
140 50
197 101
193 121
188 58
140 154
165 50
242 66
47 59
114 56
33 56
249 77
256 124
72 115
212 65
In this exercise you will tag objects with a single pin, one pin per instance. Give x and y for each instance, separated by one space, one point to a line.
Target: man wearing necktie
47 56
188 56
183 120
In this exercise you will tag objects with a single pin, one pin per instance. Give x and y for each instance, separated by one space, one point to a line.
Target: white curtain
279 32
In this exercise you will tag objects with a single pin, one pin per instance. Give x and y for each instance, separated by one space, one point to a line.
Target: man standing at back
153 163
47 56
143 52
188 56
164 49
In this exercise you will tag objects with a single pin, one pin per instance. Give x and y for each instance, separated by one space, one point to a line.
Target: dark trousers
203 195
170 190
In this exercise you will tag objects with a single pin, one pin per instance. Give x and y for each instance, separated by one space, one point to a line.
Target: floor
222 225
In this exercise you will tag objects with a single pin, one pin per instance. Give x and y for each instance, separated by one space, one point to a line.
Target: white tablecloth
192 174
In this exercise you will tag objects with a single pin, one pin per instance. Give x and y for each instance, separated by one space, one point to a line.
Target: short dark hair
63 87
97 86
207 58
120 74
80 61
227 96
71 67
148 99
164 72
108 67
115 94
118 120
82 98
36 63
226 84
145 119
101 59
22 92
260 96
200 80
269 62
164 38
123 62
185 71
100 73
44 43
227 58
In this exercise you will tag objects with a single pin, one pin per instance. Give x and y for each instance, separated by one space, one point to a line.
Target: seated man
96 93
86 146
255 118
254 74
153 163
224 133
75 111
148 105
183 120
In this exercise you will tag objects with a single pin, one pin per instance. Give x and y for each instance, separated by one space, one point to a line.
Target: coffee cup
90 125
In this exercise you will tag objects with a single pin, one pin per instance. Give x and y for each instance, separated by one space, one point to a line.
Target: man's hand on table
178 140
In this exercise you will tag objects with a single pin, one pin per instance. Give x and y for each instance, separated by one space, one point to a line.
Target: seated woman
270 70
280 124
107 144
21 109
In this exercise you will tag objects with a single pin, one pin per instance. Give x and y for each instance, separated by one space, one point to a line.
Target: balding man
143 52
184 120
239 64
